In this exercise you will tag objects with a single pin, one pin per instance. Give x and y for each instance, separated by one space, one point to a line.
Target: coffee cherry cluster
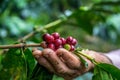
54 41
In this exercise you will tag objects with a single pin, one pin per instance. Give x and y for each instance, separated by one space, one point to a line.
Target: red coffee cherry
74 41
45 36
63 41
56 35
52 46
48 38
57 42
57 47
72 48
69 40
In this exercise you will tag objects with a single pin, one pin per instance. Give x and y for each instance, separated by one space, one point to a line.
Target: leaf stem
79 53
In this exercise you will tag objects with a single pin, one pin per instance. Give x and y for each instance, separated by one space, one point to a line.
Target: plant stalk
79 53
41 29
19 46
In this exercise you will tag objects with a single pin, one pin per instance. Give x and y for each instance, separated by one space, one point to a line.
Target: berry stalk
79 53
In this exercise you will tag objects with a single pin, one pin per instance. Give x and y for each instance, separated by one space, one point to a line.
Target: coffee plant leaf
100 74
13 65
41 73
114 71
30 61
56 77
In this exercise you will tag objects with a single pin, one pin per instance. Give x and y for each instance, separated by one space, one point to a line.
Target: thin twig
41 29
19 46
30 35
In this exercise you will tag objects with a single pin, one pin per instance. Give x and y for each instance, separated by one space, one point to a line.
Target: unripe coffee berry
67 47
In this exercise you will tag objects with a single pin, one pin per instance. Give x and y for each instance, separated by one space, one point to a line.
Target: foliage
102 71
13 65
94 23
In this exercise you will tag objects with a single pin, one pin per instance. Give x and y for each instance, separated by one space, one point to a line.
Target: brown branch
19 46
32 34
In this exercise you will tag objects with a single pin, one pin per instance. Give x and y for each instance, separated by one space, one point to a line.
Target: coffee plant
102 71
70 24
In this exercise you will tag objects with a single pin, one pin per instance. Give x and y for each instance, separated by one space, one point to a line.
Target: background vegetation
94 23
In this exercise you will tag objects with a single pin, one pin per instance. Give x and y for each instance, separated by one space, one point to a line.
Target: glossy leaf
114 71
13 66
30 62
41 73
100 74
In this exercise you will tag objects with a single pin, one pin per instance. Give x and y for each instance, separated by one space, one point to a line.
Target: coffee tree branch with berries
18 62
54 41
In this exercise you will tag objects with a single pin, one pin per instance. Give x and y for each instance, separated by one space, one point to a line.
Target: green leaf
100 74
86 19
96 75
30 62
13 65
41 73
55 77
104 75
114 71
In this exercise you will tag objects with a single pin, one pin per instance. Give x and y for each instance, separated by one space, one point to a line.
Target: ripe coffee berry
74 41
57 47
45 36
54 41
57 42
48 38
63 41
56 35
51 45
69 40
72 48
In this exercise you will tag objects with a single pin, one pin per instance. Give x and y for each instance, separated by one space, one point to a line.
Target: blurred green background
94 23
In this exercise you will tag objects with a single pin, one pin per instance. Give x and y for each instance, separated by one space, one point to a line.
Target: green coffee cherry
67 47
